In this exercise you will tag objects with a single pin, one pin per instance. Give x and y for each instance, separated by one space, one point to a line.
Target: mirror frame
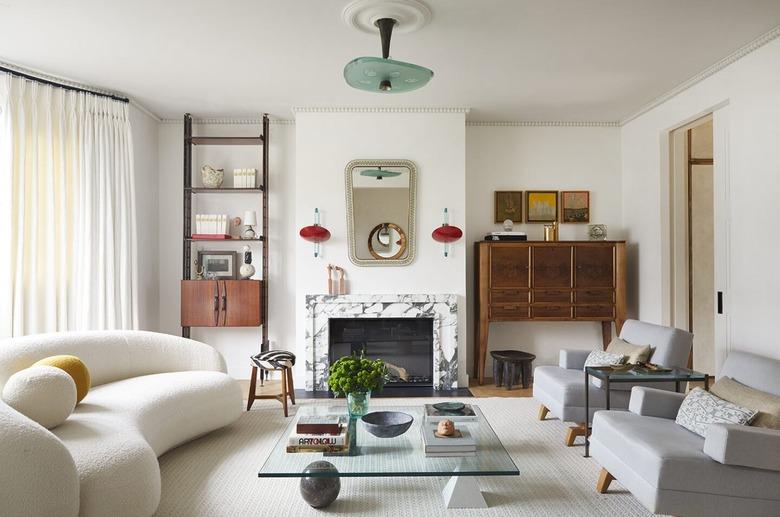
410 233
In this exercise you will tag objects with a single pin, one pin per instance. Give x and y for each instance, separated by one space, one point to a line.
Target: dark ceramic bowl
387 424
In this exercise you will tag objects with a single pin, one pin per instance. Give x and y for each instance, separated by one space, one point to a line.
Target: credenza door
509 266
594 266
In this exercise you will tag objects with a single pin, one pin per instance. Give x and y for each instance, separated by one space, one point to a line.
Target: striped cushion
274 359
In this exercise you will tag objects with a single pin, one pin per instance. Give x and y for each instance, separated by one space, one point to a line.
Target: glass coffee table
401 456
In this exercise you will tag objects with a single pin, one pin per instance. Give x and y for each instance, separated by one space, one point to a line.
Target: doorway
693 238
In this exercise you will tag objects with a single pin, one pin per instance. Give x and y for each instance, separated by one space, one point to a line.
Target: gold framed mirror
381 211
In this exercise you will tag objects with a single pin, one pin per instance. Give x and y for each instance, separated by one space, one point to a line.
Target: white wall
145 134
236 344
325 143
750 87
540 158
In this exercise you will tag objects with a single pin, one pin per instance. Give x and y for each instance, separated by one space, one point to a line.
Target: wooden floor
489 389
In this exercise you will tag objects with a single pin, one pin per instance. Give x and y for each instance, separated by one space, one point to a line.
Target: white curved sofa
150 392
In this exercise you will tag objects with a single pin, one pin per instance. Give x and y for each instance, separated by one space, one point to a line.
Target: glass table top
388 457
676 374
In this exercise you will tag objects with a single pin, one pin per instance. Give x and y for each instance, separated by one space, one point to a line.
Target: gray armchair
561 389
735 470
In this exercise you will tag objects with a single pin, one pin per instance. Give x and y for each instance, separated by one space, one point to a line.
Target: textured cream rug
217 474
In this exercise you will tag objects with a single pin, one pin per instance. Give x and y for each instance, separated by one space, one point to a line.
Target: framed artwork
508 204
575 206
218 264
541 206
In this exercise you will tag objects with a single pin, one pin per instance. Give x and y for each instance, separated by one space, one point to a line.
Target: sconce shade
315 233
446 233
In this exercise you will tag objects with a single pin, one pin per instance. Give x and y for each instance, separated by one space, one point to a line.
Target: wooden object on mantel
548 281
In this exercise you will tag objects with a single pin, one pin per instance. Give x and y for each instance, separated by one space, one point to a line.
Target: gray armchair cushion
669 457
572 359
744 446
655 402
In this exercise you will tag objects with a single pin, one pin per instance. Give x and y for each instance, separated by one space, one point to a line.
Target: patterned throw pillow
701 408
601 358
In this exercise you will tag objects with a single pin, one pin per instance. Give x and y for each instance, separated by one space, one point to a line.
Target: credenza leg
606 333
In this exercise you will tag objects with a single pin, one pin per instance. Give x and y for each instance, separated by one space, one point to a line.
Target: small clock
597 232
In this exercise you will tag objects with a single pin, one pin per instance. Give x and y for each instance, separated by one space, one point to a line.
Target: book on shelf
463 445
467 414
319 424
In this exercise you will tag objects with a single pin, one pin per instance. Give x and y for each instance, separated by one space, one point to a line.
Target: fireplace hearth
404 344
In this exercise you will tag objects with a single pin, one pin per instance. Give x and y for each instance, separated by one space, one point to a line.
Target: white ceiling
540 60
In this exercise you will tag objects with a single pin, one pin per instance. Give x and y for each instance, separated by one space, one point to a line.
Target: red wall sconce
315 233
446 233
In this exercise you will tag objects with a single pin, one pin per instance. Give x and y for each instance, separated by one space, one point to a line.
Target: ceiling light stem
385 33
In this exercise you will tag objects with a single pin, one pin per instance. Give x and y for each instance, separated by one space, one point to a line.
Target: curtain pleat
67 211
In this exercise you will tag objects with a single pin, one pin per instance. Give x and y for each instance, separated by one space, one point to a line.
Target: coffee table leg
463 492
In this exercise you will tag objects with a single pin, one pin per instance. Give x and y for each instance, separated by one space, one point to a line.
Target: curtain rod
60 85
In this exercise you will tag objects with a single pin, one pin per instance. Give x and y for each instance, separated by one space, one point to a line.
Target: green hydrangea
354 373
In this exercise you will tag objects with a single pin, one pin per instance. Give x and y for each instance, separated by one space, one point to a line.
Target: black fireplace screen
404 344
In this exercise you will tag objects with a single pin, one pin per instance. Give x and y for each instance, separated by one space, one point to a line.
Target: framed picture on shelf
575 206
541 206
508 204
221 265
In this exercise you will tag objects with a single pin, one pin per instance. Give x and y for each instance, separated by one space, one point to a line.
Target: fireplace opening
404 344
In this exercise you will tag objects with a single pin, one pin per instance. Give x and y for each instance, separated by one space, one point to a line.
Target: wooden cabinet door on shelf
199 303
221 303
241 303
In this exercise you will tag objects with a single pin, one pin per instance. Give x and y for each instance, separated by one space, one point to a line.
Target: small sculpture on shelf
198 271
211 177
336 284
247 269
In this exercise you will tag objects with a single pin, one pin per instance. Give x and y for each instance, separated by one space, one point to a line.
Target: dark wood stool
505 370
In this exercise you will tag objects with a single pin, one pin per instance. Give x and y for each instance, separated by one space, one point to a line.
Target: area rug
217 475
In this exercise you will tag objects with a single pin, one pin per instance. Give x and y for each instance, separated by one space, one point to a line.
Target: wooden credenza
221 303
547 281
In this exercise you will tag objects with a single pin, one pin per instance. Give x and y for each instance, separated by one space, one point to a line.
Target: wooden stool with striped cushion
273 360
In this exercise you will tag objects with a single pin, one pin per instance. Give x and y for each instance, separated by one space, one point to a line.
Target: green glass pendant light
384 75
378 173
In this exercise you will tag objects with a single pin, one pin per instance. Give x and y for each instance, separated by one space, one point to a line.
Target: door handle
720 302
216 304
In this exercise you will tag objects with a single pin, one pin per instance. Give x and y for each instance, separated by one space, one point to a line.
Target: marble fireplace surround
443 308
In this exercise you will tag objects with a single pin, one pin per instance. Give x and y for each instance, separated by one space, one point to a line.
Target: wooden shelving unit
218 303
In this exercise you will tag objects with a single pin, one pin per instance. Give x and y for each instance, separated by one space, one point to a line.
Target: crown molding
540 123
228 121
704 74
146 111
352 109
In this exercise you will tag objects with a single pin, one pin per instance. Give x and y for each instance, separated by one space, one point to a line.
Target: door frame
675 272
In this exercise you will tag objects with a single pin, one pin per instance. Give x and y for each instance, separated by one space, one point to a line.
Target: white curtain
67 211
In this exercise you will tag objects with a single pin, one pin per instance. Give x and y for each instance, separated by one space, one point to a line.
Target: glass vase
357 403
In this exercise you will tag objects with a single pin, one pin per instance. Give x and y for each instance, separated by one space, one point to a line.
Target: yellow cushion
74 367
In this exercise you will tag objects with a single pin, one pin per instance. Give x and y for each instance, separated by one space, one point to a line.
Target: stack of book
319 434
458 446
